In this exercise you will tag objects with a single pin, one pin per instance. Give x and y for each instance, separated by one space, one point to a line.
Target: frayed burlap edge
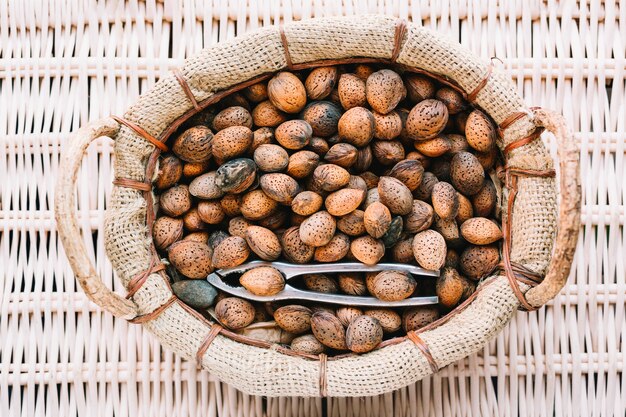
267 371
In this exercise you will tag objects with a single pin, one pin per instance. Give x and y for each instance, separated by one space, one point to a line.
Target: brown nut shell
427 119
333 251
330 177
232 116
294 249
478 261
368 250
263 242
395 195
235 313
265 114
318 229
480 131
192 259
393 285
351 91
352 224
417 317
307 344
328 330
429 249
256 205
384 90
279 187
194 144
466 173
287 92
363 334
420 218
302 163
231 252
165 231
170 172
445 200
320 283
389 320
231 142
293 318
481 231
344 201
175 201
357 126
271 158
263 280
306 203
293 134
377 219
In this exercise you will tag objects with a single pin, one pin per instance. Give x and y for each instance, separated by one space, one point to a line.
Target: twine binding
138 280
210 337
155 313
323 358
397 39
283 40
423 347
183 83
134 184
141 132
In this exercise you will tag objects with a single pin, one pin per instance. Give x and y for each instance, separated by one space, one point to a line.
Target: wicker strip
128 183
323 380
186 89
283 40
210 337
138 280
141 132
397 39
423 347
154 314
514 117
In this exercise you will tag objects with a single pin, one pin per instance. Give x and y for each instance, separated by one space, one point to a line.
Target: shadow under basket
539 237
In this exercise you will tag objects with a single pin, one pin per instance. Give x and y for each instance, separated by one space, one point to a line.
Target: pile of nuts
338 163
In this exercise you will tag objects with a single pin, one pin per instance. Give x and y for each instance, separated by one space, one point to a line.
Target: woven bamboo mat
63 63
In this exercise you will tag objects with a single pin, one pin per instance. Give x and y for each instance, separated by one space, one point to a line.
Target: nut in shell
287 92
363 334
393 285
231 252
236 176
263 280
328 330
263 242
175 201
307 344
234 313
194 144
294 319
347 314
192 259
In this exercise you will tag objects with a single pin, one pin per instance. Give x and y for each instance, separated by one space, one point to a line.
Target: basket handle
569 209
67 223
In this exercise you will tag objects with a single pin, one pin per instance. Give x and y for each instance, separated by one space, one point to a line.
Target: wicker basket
534 245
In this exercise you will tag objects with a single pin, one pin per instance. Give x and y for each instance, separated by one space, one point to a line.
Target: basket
534 244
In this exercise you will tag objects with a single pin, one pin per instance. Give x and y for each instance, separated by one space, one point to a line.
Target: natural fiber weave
267 371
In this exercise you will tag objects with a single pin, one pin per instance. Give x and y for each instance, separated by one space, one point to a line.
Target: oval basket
537 252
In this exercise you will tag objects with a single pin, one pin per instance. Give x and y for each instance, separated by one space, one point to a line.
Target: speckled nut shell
320 82
287 92
342 154
302 163
377 219
481 231
452 99
367 249
256 205
351 91
466 173
279 187
263 242
478 261
170 172
293 318
271 158
323 117
389 320
419 87
265 114
165 231
235 313
445 200
330 177
429 249
363 334
293 134
175 201
194 144
307 344
263 280
318 229
426 119
393 285
480 132
328 330
417 317
232 116
357 126
352 224
384 90
395 195
333 251
294 249
409 172
231 142
192 259
344 201
231 252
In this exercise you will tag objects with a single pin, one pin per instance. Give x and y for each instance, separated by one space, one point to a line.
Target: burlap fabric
268 371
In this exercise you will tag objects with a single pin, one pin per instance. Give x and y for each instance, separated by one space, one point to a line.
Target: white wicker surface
63 63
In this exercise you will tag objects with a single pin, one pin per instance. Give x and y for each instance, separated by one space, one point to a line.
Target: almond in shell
328 330
170 172
232 116
231 252
192 259
256 205
307 344
320 283
480 132
318 229
166 230
427 119
293 134
478 261
466 173
294 319
344 201
320 82
393 285
231 142
420 218
368 250
306 203
481 231
395 195
271 158
302 163
357 126
330 177
429 249
294 249
287 92
409 172
263 280
389 320
445 200
263 242
363 334
384 90
417 317
347 314
352 283
236 176
351 91
194 144
377 219
323 117
175 201
352 224
334 250
205 187
234 313
279 187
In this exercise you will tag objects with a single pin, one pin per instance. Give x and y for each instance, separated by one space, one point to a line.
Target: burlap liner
270 371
